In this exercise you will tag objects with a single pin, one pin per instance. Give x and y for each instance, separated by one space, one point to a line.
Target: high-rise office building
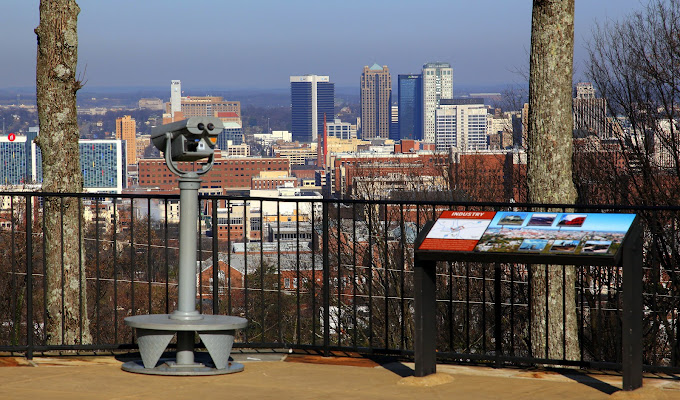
15 156
102 162
590 112
410 92
126 129
376 102
311 97
461 124
437 84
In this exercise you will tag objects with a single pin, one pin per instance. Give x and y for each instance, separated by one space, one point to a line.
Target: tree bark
549 171
56 88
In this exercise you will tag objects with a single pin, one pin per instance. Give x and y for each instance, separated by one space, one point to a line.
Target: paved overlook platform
270 375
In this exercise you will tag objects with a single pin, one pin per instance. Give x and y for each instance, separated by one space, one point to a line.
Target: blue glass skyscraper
410 92
15 155
311 97
102 162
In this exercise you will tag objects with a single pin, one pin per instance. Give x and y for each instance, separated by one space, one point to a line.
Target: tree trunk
56 87
549 172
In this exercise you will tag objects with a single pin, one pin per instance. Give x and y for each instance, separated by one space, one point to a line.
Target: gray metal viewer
189 140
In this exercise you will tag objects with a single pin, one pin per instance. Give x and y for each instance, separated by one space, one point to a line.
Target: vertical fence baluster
354 276
14 303
133 269
44 270
484 308
386 266
61 238
229 257
314 245
149 272
97 266
245 261
370 276
298 313
338 326
215 258
199 259
402 262
114 250
262 272
29 277
498 317
326 283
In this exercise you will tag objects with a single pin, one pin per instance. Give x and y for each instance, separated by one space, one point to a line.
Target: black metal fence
318 274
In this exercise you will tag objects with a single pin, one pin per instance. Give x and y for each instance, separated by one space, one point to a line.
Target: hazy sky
260 43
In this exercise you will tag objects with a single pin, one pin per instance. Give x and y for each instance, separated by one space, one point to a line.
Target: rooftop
303 376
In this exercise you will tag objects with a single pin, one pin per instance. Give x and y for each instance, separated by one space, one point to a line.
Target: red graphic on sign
11 137
457 230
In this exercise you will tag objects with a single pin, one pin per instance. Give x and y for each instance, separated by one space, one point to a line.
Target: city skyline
260 44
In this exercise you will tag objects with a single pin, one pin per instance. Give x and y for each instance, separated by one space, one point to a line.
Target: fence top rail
304 199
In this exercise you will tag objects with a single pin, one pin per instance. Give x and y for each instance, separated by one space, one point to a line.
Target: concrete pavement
282 376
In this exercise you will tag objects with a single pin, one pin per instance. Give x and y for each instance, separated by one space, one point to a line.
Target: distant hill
274 97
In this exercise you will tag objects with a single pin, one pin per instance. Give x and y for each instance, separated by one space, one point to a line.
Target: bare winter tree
635 64
56 86
549 173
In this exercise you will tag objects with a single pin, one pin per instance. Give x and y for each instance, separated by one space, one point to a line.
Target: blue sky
260 43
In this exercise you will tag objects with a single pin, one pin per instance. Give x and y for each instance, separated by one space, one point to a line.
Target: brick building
227 173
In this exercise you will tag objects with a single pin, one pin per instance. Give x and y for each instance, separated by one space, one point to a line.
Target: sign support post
631 356
425 303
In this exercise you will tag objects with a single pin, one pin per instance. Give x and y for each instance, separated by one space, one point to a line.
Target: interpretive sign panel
528 232
552 238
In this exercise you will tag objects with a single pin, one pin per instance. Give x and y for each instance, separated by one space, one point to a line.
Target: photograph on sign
568 246
596 246
572 220
513 219
533 245
561 233
542 219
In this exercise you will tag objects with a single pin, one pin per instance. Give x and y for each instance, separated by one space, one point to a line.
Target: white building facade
437 85
341 130
461 124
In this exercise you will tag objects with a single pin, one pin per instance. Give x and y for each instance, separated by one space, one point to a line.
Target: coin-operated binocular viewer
192 139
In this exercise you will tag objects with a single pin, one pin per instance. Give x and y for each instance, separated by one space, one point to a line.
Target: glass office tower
410 92
311 97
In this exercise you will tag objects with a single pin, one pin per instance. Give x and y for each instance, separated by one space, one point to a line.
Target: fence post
326 284
29 277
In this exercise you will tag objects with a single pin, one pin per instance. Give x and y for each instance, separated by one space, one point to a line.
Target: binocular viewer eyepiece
188 140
